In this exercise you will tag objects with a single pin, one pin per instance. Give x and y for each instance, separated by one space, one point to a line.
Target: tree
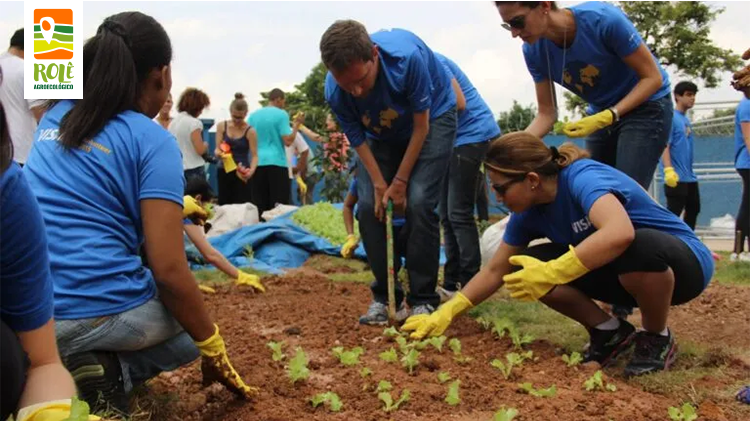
309 98
678 34
575 105
517 118
723 112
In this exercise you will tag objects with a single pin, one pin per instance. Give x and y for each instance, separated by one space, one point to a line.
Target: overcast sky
225 47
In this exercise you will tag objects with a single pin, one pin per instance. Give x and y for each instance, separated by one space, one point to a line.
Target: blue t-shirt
90 200
410 80
566 220
27 300
476 123
681 145
594 69
398 221
742 115
271 123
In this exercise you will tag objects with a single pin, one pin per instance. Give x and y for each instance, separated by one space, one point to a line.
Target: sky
226 47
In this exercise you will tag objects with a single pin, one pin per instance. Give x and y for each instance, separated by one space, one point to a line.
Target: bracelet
615 114
404 181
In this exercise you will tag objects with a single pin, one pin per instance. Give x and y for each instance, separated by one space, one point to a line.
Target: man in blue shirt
742 164
680 181
395 103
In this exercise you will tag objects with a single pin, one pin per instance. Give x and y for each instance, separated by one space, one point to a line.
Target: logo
53 34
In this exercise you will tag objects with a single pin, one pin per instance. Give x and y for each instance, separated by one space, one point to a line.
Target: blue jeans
146 339
422 229
463 258
635 143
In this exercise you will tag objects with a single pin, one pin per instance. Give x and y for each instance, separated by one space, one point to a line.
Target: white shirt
182 126
21 122
298 147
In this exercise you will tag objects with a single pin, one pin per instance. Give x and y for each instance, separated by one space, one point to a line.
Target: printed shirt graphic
53 34
593 68
681 144
580 185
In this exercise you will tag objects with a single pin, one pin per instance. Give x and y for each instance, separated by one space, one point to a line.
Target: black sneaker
98 377
606 345
653 352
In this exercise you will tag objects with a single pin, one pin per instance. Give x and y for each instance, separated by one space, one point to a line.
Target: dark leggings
270 185
651 251
685 196
742 226
13 366
232 190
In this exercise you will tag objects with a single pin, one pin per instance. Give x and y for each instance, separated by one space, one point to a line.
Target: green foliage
403 344
275 347
437 342
348 357
365 372
391 332
575 105
324 220
79 410
410 360
455 345
387 399
574 359
331 398
685 413
513 359
542 392
501 326
517 118
248 252
596 382
505 414
384 385
518 339
443 377
389 355
298 366
452 398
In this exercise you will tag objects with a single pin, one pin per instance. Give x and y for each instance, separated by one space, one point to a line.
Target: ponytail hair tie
555 153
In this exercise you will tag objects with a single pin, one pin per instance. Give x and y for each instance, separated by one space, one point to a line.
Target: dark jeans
196 172
742 224
457 215
635 143
232 190
422 222
270 185
13 366
311 179
685 196
483 207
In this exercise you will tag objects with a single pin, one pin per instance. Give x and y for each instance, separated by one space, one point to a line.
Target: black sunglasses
503 188
518 22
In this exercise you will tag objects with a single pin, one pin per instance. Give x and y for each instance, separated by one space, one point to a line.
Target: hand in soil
437 322
252 280
216 367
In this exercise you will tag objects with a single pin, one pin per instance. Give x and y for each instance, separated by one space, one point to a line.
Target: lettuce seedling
333 400
574 359
387 399
348 357
298 366
275 347
389 355
452 398
505 414
542 392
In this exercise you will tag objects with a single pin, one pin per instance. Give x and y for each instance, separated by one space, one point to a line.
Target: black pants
196 172
651 251
685 196
743 215
232 190
270 186
13 366
483 208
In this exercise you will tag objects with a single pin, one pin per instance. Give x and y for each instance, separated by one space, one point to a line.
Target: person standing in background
742 164
242 140
297 156
165 117
188 131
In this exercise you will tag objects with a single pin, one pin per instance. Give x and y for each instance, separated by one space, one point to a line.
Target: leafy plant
384 385
574 359
333 400
685 413
365 372
410 360
275 347
348 357
79 410
323 220
298 366
389 355
437 342
596 382
505 414
443 377
387 399
455 345
248 252
452 398
542 392
391 332
513 359
501 326
519 339
403 344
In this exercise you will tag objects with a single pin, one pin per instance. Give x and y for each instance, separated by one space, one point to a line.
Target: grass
736 273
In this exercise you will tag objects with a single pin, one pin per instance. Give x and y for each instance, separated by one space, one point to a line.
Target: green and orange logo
53 34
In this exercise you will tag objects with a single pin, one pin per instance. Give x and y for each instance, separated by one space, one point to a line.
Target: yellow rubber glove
252 280
670 177
437 322
350 246
191 209
229 164
537 278
589 125
56 410
206 289
216 366
302 185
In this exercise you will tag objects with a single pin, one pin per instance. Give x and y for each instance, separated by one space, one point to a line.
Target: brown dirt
304 308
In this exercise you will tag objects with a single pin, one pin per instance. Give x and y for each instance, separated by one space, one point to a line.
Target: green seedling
79 410
387 399
248 252
348 357
574 359
542 392
518 339
333 400
685 413
455 345
410 360
389 355
391 332
596 382
502 326
403 345
419 345
298 366
384 385
365 372
437 343
443 377
513 359
505 414
275 347
452 398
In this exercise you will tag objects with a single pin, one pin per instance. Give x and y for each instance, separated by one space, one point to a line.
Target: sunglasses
501 189
518 22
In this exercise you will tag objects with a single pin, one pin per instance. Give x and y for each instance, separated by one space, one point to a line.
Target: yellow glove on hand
537 278
670 177
191 209
216 366
350 245
588 125
229 164
206 289
302 185
437 322
252 280
55 410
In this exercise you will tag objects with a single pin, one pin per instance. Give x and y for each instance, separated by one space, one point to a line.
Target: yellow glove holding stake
537 278
55 410
589 125
670 177
350 245
216 366
437 322
252 280
302 185
191 209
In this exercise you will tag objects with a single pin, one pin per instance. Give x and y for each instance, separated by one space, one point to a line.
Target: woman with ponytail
108 179
609 241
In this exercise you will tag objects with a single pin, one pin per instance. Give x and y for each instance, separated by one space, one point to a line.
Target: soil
305 309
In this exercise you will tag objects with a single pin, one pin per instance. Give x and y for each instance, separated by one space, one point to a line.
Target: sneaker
445 294
653 352
402 314
377 314
98 377
741 257
605 345
422 310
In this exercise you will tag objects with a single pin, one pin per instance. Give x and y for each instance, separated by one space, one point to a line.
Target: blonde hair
518 153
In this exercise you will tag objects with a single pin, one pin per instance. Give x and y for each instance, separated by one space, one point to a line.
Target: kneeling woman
610 242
